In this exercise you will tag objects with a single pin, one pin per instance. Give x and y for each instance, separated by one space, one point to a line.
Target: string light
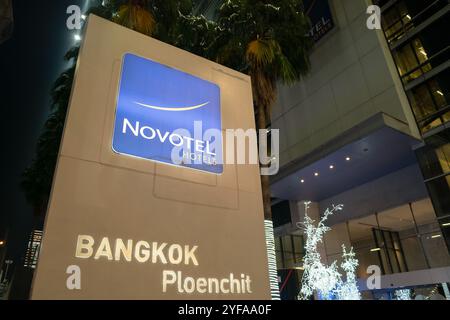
272 260
403 294
319 278
349 289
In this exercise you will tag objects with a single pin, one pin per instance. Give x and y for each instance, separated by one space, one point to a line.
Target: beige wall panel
100 193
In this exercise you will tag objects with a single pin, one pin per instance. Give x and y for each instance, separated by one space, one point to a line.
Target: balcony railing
433 61
398 29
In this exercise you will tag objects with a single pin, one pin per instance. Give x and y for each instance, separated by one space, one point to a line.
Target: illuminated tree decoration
403 294
348 290
326 281
318 277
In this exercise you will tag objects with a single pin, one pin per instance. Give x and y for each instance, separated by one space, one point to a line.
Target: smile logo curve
188 108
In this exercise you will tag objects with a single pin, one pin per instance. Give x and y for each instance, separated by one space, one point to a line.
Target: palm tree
135 15
265 39
157 18
268 41
37 178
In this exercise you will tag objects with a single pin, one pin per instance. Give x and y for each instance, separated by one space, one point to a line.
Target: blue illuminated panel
154 100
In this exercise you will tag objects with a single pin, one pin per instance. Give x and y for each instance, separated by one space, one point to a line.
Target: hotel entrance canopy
376 147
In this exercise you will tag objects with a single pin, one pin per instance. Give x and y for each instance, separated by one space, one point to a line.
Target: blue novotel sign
168 116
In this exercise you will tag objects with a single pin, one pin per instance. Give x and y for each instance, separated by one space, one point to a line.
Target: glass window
390 251
289 250
363 242
446 116
423 212
389 18
401 235
422 102
414 255
406 61
428 229
429 102
412 60
279 253
396 21
422 55
443 157
380 3
434 158
435 248
281 213
445 229
438 93
299 248
439 190
396 219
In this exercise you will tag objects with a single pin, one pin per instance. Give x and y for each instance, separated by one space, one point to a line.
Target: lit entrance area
388 217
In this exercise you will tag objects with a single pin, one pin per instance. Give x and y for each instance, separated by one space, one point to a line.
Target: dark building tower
34 245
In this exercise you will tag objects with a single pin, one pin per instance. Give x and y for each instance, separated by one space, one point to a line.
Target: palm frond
262 52
136 18
286 72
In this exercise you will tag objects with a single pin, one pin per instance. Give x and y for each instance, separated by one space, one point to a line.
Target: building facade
368 128
414 31
33 248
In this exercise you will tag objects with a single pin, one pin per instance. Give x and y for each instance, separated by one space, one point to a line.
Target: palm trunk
261 123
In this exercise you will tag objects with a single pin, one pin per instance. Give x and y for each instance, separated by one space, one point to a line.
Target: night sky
29 63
